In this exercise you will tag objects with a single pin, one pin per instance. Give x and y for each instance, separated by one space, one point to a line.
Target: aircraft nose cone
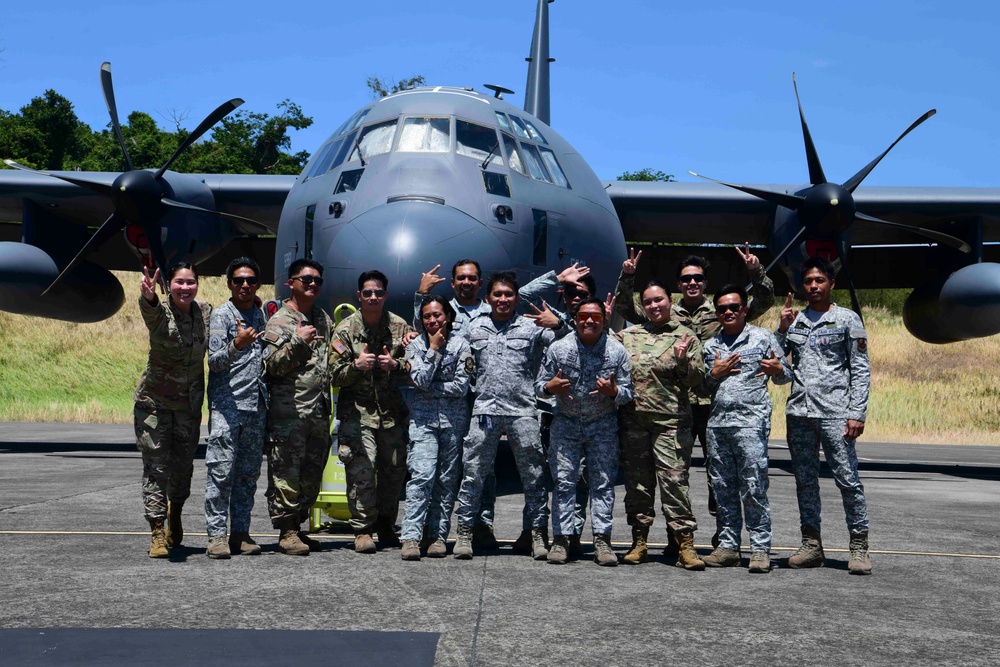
404 240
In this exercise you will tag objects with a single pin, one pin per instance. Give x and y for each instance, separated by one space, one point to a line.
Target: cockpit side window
504 123
351 122
535 134
519 129
558 176
375 140
477 141
322 161
513 154
345 148
425 135
534 162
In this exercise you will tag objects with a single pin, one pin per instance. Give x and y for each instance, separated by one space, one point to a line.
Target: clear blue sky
636 83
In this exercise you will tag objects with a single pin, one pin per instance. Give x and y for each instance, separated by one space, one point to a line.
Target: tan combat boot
437 549
411 550
463 543
603 554
218 548
364 544
558 554
243 544
687 557
723 557
158 544
290 544
639 552
860 562
175 529
810 554
539 543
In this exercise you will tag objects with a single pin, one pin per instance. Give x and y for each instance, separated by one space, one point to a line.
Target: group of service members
480 370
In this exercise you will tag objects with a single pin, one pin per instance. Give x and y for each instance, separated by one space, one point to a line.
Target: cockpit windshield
477 141
375 140
425 135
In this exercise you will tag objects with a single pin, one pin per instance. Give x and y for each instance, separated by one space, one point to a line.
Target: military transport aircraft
435 174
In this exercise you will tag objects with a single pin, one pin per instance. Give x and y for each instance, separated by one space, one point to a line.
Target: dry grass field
60 372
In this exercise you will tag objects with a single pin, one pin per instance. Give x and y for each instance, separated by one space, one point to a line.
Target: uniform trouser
479 455
738 474
657 451
487 508
434 457
571 441
583 489
232 465
167 440
805 435
375 463
297 450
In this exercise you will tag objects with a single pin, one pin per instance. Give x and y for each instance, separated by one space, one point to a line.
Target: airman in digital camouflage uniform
367 366
168 400
696 312
589 374
827 406
507 349
655 432
296 353
739 361
237 403
441 367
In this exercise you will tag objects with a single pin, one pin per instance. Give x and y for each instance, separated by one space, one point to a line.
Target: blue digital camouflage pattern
738 473
235 377
233 458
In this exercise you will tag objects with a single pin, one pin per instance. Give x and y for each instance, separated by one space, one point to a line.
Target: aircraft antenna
536 101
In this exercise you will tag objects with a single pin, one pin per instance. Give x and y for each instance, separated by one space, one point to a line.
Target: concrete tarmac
73 557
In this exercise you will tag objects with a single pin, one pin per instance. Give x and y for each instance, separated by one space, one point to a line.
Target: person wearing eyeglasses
296 361
739 362
695 311
237 403
589 375
367 365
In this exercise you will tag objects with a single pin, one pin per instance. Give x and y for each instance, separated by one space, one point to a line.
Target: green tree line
46 134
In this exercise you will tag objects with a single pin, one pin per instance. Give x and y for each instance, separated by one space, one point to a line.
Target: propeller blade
155 242
795 241
781 199
843 249
108 228
940 237
109 100
247 225
99 188
221 112
816 175
852 184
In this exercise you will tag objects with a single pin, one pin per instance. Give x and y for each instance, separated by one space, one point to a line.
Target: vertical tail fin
536 100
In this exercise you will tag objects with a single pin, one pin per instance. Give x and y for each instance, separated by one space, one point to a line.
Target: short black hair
731 288
821 263
241 263
295 267
180 266
449 312
591 301
505 277
692 260
463 262
373 274
655 283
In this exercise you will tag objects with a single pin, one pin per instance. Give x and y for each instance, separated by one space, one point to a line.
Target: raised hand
572 275
386 361
770 366
365 361
436 340
629 265
725 367
558 385
606 387
544 317
306 332
609 305
245 336
148 286
751 260
429 280
788 315
681 347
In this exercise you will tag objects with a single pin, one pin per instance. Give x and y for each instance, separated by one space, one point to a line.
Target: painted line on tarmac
889 552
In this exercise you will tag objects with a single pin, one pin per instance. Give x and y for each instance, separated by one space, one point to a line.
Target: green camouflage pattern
660 380
297 373
174 378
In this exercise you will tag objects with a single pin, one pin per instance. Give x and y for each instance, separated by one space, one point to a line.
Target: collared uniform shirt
297 372
507 357
235 377
441 377
662 381
582 365
174 378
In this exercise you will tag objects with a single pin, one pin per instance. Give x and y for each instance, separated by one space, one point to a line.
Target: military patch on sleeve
862 345
215 343
469 365
339 347
266 353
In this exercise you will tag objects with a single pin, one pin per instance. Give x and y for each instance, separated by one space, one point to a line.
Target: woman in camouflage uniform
168 399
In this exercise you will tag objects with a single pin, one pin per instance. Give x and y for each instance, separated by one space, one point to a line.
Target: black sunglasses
309 280
239 281
731 307
367 293
693 277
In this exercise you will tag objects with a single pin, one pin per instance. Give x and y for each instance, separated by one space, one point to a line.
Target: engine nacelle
962 306
89 294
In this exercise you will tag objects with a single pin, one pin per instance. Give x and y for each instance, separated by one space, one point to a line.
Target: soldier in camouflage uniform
296 356
168 400
237 402
590 376
507 349
827 406
367 366
441 367
696 312
655 433
739 361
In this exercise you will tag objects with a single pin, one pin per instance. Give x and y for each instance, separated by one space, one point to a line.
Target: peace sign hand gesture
544 317
751 260
788 315
681 348
629 265
148 285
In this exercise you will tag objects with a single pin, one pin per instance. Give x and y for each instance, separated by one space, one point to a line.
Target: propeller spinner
826 210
